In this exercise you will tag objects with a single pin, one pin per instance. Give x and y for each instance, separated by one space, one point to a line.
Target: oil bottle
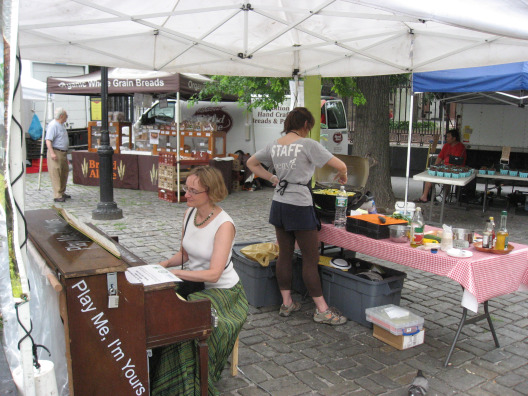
503 234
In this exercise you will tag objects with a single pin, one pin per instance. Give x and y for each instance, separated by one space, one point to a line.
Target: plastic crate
259 282
170 195
353 294
397 320
371 230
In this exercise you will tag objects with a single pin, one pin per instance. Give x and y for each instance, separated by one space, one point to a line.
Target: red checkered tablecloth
485 275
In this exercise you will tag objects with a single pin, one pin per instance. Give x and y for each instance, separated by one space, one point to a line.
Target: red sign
338 137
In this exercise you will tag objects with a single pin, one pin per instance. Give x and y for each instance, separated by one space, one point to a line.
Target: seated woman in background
207 241
453 147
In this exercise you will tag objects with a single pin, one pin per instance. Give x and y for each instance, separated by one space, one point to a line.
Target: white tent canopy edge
266 37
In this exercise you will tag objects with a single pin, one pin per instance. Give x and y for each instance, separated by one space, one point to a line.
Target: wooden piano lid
67 250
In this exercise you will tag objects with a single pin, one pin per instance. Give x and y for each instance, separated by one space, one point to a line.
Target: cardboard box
400 342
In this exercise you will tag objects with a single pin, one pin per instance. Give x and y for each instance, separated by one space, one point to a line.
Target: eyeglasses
192 191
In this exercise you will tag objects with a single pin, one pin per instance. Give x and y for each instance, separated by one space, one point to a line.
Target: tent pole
409 139
43 138
178 145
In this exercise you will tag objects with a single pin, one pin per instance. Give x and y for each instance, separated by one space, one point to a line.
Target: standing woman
294 158
208 238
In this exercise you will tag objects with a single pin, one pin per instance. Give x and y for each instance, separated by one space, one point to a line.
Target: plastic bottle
373 208
417 228
487 236
493 235
503 234
341 204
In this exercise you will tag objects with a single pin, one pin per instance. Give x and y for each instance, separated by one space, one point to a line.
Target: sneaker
331 316
287 310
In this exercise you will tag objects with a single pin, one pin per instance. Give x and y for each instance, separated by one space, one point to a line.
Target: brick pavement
295 356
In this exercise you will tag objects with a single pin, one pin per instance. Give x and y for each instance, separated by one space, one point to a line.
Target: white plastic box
395 319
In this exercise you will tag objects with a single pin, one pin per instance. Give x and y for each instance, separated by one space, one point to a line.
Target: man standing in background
58 143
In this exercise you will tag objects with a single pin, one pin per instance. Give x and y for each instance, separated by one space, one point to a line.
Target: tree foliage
267 92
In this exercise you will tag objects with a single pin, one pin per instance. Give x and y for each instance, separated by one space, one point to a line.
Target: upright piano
109 323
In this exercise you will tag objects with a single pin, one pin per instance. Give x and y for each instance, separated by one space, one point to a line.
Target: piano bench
234 359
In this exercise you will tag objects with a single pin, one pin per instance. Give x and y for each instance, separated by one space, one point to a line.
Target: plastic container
447 240
352 294
331 252
260 283
397 320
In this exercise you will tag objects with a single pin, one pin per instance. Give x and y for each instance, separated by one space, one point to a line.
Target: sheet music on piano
150 274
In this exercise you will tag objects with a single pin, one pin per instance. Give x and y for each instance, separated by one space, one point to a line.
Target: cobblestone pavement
294 355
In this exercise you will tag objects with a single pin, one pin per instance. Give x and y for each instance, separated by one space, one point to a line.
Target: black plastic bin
351 293
329 251
259 282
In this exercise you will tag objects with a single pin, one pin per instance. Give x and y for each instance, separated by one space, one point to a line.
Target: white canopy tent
276 37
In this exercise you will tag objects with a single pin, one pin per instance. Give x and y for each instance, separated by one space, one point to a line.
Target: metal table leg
431 201
443 203
463 322
485 197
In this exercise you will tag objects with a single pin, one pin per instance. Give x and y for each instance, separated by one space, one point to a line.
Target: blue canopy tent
505 83
508 77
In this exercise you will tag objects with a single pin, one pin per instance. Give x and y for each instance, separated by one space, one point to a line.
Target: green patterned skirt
174 368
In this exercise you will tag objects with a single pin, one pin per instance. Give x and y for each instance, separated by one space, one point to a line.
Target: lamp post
106 209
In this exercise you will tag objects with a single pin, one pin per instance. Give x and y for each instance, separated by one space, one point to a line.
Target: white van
251 131
334 131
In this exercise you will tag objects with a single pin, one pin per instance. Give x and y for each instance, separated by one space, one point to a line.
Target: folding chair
431 152
505 155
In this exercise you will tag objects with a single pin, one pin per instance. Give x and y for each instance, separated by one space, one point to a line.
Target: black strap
183 233
284 183
309 185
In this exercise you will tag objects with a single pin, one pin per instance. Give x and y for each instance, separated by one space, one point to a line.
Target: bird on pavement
419 386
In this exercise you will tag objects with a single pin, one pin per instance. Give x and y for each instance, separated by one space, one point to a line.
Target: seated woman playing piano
207 240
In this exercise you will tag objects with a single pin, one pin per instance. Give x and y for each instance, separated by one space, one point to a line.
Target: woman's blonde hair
212 179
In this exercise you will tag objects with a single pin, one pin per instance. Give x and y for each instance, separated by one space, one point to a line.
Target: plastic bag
35 129
263 253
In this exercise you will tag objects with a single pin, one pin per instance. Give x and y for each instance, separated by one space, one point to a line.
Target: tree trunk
371 138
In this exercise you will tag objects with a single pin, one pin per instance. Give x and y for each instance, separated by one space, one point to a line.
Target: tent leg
409 139
43 138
